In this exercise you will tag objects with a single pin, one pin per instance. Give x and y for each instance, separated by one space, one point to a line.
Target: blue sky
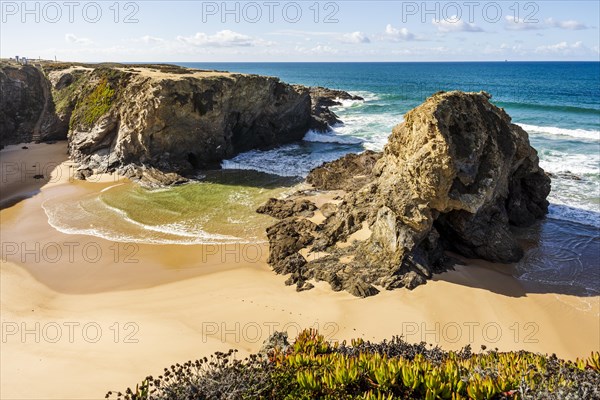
197 31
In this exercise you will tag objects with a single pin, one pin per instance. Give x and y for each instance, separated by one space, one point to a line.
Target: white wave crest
552 130
314 136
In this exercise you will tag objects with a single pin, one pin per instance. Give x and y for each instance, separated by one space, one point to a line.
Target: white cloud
562 48
71 38
455 24
351 37
355 37
300 33
319 49
151 39
570 24
520 24
395 34
516 48
224 38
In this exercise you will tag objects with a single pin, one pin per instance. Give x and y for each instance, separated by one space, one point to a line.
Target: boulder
281 209
350 172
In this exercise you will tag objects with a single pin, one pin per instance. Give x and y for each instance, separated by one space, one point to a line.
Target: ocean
557 103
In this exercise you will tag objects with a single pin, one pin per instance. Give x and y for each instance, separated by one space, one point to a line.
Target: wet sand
82 315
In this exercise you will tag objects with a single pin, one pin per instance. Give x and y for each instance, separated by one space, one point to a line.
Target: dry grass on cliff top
148 70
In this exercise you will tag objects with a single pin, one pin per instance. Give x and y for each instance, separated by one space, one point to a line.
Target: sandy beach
82 315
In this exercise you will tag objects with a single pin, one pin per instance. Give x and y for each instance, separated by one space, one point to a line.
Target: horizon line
305 62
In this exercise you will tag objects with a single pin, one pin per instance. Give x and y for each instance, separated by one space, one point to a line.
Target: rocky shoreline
157 123
456 175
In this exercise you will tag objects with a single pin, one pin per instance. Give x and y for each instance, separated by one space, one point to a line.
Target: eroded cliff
26 108
454 176
174 119
156 121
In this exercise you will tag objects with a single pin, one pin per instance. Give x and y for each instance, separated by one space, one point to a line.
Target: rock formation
176 122
156 121
321 101
454 176
26 111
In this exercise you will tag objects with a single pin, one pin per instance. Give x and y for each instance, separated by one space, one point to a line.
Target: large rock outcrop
26 108
154 119
177 120
454 176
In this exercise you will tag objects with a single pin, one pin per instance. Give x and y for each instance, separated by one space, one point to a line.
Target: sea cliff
156 120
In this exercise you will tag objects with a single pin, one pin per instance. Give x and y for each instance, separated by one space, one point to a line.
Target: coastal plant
94 99
313 368
65 98
94 105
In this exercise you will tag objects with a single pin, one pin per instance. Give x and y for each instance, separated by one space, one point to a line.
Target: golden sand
76 324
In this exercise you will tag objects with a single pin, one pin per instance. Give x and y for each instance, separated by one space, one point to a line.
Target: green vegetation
65 98
94 105
313 368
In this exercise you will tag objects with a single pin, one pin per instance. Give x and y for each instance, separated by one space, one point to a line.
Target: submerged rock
454 176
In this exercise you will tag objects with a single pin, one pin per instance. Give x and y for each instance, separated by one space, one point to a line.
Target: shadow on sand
561 257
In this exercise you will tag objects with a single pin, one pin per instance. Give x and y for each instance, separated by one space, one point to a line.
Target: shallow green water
218 209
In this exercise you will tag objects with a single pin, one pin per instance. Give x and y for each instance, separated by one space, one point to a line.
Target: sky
311 31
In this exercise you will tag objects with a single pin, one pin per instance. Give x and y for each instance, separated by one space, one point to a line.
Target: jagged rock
301 286
564 175
82 173
360 288
281 209
350 172
287 237
328 209
291 264
321 99
277 341
454 176
153 178
411 280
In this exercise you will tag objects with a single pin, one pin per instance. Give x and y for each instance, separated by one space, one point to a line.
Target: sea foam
330 137
552 130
